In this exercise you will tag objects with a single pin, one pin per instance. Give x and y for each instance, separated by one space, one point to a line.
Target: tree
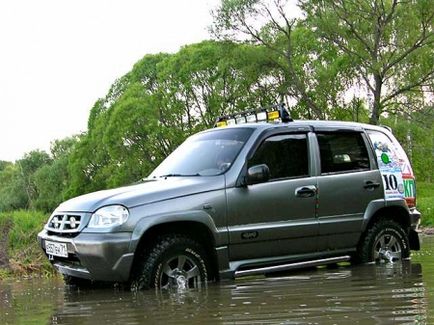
4 164
390 43
417 138
205 80
12 193
27 166
52 179
110 152
235 18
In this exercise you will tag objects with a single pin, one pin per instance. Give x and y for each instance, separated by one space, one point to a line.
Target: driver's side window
286 155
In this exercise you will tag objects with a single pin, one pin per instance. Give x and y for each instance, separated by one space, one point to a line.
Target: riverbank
20 254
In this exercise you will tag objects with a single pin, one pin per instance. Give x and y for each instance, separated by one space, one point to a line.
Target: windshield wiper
178 175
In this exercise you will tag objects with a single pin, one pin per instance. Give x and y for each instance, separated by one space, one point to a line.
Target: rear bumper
413 235
414 218
93 256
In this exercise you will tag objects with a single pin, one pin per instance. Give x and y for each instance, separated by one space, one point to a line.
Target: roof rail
388 128
276 112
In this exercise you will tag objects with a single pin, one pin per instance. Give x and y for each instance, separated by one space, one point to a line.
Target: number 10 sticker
393 184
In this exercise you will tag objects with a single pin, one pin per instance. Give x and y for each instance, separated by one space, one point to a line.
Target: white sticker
390 168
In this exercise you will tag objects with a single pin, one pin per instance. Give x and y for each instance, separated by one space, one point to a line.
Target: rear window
342 152
398 179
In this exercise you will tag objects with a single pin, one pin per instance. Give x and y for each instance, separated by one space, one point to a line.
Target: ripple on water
384 294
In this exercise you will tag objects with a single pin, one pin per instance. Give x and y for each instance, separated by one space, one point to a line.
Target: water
401 293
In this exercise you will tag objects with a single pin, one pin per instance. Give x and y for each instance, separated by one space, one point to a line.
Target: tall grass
25 257
425 203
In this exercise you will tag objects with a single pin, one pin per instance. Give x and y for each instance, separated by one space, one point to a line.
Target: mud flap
413 238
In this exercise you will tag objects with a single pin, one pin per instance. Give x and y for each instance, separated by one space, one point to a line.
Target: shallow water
400 293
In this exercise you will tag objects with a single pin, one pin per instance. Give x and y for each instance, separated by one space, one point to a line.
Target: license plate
56 249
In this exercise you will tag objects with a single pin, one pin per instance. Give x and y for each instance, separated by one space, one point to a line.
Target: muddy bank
4 244
427 231
20 254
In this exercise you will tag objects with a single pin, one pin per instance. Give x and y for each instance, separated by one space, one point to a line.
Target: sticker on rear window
390 166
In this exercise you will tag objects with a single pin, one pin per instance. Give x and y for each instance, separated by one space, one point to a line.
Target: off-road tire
383 227
149 268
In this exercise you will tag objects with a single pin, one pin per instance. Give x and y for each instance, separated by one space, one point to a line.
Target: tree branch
408 87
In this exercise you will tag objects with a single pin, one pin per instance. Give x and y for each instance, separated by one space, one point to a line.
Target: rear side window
285 155
342 152
398 179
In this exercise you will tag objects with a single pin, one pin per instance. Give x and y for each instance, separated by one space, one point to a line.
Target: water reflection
369 294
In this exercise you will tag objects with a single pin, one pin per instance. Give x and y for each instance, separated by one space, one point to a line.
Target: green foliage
52 180
23 251
390 45
416 135
28 166
12 190
425 202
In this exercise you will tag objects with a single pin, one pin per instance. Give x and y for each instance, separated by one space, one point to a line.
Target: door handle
370 185
305 191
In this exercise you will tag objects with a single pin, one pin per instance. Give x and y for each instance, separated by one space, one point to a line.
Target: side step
292 266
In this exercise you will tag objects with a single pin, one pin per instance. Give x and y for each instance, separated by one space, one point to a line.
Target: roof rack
274 113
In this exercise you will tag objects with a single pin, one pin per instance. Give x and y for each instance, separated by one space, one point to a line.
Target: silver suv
259 193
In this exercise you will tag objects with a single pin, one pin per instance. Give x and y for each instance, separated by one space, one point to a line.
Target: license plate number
56 249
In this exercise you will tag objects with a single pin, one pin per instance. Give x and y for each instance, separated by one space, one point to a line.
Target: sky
57 57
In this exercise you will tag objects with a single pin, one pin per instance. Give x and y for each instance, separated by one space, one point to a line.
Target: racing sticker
390 168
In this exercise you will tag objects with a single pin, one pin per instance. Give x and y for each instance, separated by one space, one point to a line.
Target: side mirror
258 174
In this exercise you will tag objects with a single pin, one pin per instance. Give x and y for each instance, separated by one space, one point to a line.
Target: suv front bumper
93 256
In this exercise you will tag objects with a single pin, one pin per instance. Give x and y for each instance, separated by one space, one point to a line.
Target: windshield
205 154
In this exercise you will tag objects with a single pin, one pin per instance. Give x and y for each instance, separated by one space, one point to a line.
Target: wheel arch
199 229
397 213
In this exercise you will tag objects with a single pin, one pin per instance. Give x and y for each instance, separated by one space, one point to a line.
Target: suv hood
144 193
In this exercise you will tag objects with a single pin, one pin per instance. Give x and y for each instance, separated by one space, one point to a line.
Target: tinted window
341 152
285 155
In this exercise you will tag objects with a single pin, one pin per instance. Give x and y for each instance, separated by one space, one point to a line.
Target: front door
277 217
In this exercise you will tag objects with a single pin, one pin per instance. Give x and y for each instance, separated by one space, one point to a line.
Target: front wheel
174 262
385 241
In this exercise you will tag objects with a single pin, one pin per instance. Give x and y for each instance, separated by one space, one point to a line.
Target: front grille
63 234
65 223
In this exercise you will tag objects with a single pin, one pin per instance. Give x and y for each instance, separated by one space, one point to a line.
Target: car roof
317 125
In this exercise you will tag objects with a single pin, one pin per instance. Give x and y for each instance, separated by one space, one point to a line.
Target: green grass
425 202
25 257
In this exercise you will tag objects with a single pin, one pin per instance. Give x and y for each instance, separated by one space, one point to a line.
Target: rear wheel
174 262
385 241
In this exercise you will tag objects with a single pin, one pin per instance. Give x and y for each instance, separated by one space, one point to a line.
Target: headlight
112 215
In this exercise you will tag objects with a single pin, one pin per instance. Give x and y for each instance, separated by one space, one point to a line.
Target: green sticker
385 158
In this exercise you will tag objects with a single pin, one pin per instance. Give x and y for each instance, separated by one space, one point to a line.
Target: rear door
349 180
